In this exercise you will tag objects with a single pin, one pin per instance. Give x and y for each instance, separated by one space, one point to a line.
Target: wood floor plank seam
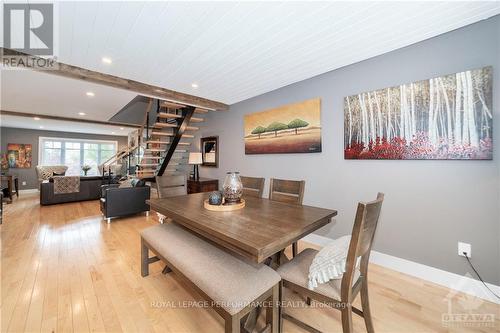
65 270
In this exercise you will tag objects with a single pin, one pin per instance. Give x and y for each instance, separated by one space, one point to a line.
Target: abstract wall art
448 117
19 155
293 128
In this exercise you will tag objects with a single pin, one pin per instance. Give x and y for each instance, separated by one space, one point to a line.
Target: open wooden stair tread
168 125
152 157
171 134
169 115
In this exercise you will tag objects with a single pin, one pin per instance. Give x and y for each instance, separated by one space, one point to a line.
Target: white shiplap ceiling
237 50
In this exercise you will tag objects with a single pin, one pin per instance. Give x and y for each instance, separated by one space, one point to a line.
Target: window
74 153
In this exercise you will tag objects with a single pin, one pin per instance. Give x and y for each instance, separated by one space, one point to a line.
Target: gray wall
21 135
430 205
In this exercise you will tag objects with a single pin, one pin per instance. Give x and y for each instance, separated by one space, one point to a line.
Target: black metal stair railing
182 124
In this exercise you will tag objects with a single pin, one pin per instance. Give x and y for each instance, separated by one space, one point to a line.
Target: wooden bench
231 285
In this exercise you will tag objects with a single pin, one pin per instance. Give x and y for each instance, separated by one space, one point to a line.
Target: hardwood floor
65 270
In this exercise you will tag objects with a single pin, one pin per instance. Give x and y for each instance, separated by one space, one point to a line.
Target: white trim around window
75 162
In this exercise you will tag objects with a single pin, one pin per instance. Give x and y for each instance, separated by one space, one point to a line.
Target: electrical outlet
464 247
23 183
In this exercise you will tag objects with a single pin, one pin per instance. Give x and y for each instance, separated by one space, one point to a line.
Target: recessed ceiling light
106 60
90 94
81 113
194 85
122 128
36 118
41 126
112 132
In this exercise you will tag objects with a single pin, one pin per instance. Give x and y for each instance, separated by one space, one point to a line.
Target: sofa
119 201
45 172
90 189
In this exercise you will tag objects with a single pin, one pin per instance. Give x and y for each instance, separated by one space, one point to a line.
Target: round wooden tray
223 207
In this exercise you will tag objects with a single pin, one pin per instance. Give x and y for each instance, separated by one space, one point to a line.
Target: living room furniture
90 189
171 186
202 185
12 184
289 191
260 230
340 294
45 172
252 186
229 284
123 201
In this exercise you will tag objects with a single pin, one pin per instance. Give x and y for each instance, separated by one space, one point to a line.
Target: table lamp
195 159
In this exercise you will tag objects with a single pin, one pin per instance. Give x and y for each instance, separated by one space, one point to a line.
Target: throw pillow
126 183
329 262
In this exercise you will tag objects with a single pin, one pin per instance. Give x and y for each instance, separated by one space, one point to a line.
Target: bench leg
232 324
272 312
144 259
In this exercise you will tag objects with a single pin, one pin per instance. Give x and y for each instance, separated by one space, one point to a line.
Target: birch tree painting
449 117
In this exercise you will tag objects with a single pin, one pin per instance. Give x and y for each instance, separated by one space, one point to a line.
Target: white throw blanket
329 262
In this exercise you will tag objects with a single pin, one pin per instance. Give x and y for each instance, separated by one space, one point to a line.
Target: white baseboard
30 190
465 284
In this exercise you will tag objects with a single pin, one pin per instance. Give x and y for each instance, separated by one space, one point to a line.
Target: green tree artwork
297 123
259 130
275 127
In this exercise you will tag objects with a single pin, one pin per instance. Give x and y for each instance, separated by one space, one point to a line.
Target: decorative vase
233 188
85 172
215 198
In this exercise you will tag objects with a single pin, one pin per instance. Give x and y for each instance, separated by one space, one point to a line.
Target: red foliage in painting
419 148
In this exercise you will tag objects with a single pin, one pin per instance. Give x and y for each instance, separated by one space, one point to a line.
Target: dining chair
252 186
288 191
171 185
339 293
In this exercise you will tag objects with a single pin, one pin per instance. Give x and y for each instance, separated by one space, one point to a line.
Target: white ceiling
36 92
237 50
62 126
232 50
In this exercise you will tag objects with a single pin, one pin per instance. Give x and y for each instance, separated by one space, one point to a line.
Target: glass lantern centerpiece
232 188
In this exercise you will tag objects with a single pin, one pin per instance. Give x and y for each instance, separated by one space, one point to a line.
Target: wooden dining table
258 231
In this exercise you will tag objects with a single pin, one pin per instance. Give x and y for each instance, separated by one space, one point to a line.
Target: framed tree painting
19 155
448 117
293 128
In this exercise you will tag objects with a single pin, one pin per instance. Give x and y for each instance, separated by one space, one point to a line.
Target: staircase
122 157
167 139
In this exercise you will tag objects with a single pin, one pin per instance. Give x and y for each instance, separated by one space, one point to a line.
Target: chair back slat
252 186
171 185
289 191
363 232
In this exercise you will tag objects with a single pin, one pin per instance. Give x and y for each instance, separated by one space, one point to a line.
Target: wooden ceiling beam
74 72
78 120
